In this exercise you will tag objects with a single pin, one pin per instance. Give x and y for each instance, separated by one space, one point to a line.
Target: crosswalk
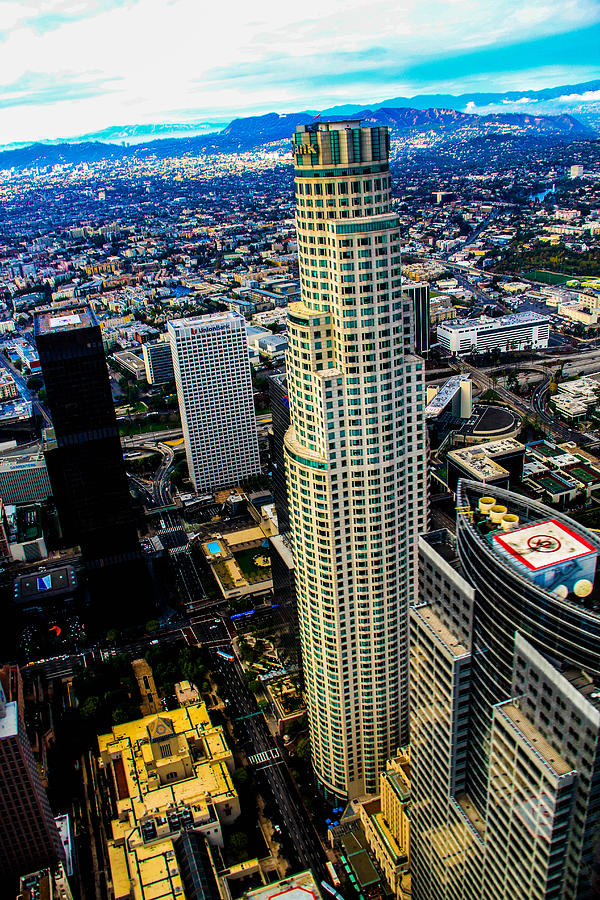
265 756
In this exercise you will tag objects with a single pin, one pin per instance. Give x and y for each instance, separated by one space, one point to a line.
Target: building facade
280 412
354 454
24 479
418 291
505 705
214 390
29 838
169 776
83 454
158 361
518 331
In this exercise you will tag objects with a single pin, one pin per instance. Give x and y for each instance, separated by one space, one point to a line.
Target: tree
91 708
238 844
303 749
34 383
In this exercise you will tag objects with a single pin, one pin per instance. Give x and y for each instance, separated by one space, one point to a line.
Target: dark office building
280 410
29 838
84 456
419 293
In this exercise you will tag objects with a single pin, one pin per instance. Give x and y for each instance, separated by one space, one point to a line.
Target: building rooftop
297 887
544 546
15 411
42 585
145 872
206 322
445 395
534 738
169 772
480 459
28 461
521 318
50 320
437 627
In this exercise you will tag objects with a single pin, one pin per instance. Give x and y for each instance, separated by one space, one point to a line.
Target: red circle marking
544 543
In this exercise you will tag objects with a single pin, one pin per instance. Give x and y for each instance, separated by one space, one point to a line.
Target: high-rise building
214 390
505 705
280 414
418 291
83 454
355 454
29 838
158 362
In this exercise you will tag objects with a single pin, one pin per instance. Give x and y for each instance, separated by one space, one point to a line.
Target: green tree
303 749
91 708
238 844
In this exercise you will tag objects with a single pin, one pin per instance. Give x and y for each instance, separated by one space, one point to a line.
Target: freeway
150 437
260 746
557 430
161 493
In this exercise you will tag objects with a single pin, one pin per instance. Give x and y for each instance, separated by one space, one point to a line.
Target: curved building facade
505 703
354 453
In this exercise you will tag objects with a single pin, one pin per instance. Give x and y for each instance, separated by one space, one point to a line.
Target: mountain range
253 132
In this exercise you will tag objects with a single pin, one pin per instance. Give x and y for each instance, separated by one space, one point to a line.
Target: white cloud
164 57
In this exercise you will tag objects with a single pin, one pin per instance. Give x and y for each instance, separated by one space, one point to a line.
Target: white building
355 454
519 331
214 390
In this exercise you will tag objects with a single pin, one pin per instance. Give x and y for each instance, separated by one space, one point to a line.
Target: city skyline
72 68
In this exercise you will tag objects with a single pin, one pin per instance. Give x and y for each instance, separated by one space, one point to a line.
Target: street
252 731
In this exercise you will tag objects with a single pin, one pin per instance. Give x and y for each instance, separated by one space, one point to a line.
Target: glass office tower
505 704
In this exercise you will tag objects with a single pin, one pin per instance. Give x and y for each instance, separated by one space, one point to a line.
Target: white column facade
355 454
214 391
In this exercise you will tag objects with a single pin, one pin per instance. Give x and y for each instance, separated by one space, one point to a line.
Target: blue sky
72 66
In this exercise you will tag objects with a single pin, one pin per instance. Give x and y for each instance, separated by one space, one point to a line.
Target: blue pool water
214 547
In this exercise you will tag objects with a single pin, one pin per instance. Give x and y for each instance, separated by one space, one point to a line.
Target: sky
69 67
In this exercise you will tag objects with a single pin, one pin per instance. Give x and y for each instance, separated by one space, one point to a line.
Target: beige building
386 823
166 773
355 454
8 387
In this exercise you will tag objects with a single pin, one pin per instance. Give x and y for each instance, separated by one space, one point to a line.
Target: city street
254 735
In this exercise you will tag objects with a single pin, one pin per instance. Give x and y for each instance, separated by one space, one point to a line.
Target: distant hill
460 102
254 132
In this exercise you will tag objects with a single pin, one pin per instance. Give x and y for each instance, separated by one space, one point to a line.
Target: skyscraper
29 837
355 453
84 458
505 705
214 390
280 413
